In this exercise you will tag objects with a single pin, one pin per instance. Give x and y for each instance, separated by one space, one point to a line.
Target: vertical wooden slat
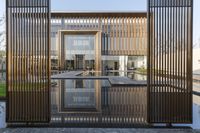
123 38
125 35
140 35
104 35
135 36
120 34
20 65
129 36
184 50
146 23
114 35
13 51
132 35
111 35
107 37
117 35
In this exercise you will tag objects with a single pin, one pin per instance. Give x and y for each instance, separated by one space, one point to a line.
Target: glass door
80 62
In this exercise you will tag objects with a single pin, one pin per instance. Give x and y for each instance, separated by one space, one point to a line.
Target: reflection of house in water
3 68
79 95
106 104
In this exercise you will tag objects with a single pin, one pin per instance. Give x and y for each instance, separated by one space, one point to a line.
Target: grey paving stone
95 130
114 80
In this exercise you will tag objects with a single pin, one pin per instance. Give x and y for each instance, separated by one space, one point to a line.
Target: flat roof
55 14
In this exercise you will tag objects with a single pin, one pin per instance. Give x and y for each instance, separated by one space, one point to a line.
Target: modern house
107 45
98 40
78 68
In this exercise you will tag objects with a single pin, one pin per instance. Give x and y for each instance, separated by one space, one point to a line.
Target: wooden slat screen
170 61
118 37
28 62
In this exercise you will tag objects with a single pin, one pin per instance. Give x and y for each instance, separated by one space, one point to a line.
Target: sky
112 5
130 5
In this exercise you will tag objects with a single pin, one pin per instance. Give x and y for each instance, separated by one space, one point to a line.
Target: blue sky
116 5
110 5
133 5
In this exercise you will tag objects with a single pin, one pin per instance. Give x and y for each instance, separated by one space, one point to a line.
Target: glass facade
120 46
123 63
79 52
121 39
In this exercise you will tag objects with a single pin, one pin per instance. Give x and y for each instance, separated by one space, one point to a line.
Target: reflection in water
2 84
2 76
196 114
2 104
116 104
125 105
2 115
79 94
97 102
131 75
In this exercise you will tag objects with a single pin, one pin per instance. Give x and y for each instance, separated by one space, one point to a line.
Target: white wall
196 60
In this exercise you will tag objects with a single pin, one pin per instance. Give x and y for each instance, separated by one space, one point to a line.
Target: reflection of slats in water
98 120
119 105
128 102
33 106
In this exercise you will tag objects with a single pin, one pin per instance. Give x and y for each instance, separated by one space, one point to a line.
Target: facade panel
28 50
116 31
170 61
122 34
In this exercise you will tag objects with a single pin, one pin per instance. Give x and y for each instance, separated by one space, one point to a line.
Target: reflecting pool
96 101
131 75
109 105
2 114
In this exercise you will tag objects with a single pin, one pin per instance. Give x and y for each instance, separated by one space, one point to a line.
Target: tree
2 33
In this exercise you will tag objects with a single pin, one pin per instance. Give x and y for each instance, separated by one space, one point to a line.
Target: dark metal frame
170 61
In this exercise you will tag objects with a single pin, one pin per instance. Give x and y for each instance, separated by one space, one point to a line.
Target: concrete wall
196 60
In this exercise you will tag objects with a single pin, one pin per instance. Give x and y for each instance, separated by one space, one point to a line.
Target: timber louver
28 61
170 61
122 33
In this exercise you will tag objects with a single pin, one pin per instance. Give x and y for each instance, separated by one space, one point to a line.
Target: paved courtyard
114 80
95 130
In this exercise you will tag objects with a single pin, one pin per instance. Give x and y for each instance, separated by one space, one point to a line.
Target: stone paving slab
95 130
66 74
125 81
114 80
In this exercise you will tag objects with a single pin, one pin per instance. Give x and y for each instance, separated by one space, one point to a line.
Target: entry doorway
116 65
79 62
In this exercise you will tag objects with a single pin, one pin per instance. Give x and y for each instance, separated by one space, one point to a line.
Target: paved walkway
114 80
66 74
95 130
196 77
